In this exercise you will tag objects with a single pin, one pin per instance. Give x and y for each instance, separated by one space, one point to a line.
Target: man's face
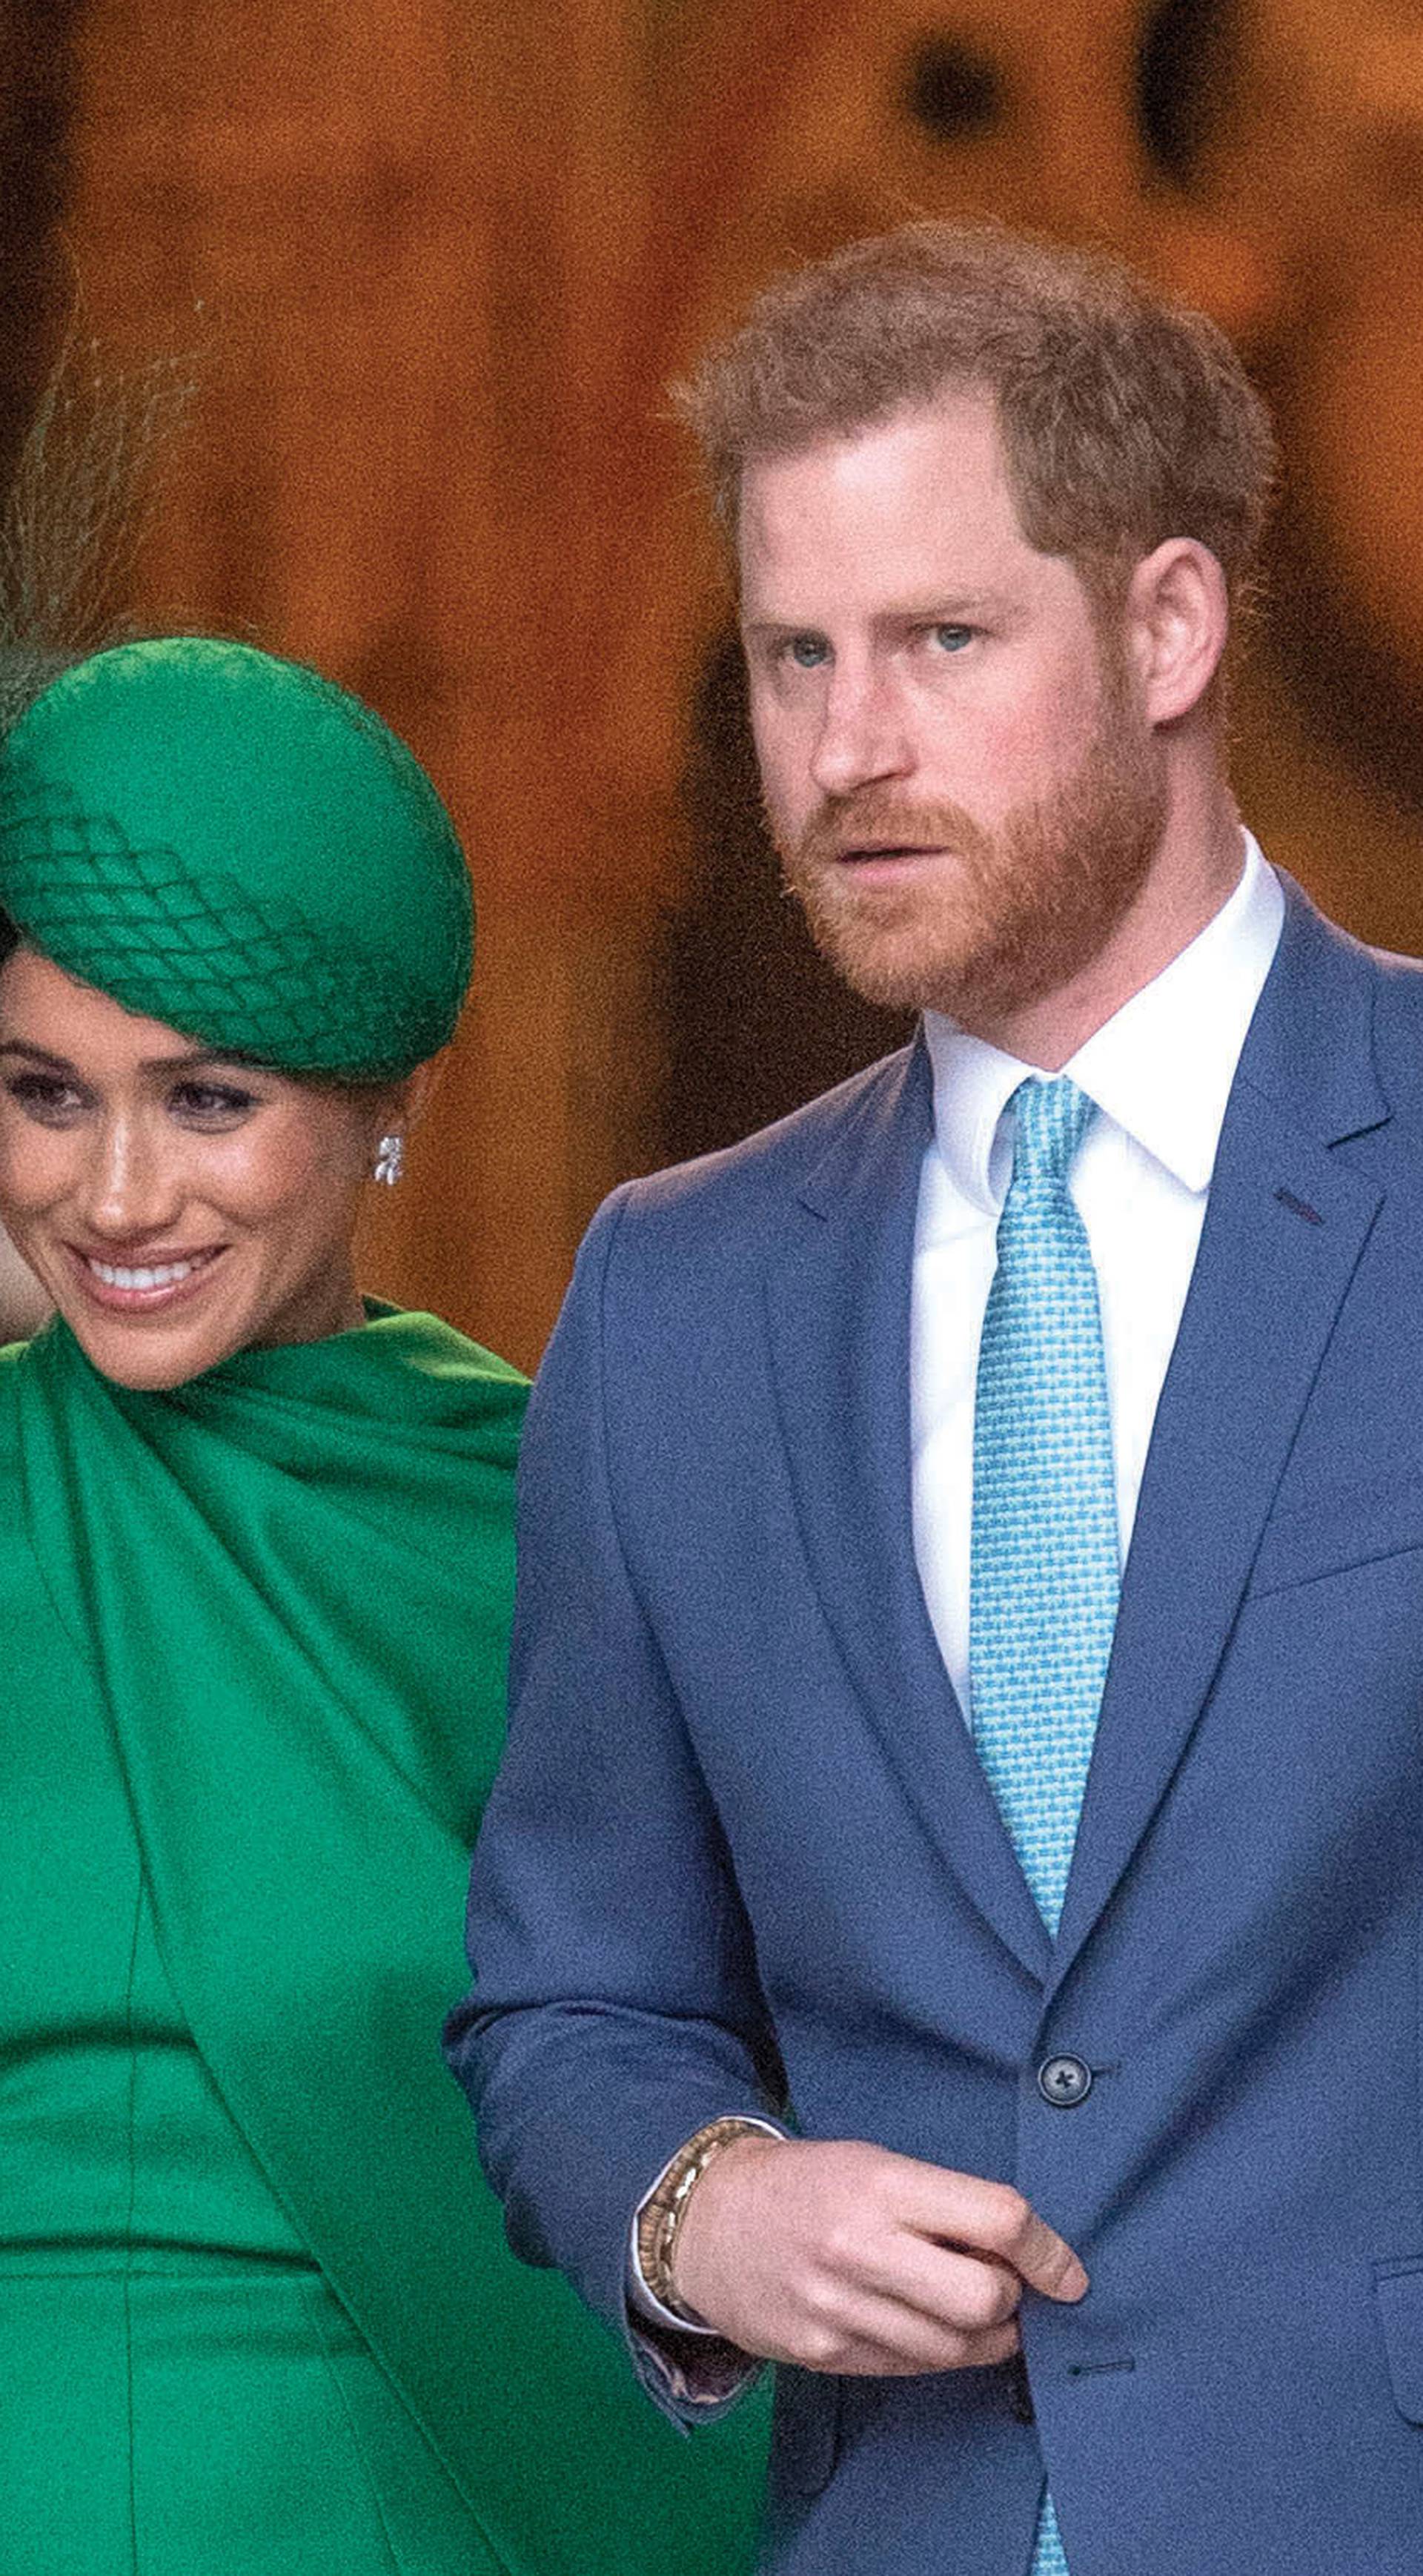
963 788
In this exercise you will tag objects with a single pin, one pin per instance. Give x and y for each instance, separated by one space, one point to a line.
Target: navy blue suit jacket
742 1851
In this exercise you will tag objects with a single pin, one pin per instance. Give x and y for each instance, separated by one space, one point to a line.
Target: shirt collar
1161 1068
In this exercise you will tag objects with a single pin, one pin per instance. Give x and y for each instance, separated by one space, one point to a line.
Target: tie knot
1051 1118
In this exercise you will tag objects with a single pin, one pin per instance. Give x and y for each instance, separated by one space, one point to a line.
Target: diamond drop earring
390 1160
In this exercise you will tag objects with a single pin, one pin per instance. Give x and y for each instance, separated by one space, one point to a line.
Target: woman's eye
46 1096
210 1104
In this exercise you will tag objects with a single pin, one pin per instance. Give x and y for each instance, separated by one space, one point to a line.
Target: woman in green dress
255 1573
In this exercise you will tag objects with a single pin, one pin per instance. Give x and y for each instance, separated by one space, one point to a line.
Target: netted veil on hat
229 843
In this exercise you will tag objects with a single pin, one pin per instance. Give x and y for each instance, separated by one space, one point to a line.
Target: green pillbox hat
230 844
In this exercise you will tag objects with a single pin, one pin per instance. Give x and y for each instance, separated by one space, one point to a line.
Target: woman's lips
143 1287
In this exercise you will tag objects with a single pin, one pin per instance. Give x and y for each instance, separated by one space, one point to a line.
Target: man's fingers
910 2355
964 2291
992 2218
872 2336
1048 2264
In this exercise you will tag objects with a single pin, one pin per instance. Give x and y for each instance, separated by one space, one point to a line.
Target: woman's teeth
164 1275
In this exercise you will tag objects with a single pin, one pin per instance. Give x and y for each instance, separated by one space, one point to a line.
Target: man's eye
211 1103
807 651
952 639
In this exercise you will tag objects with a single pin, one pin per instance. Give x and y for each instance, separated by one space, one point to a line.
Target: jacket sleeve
615 2006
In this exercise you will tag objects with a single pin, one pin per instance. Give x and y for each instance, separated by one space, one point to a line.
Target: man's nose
864 735
132 1184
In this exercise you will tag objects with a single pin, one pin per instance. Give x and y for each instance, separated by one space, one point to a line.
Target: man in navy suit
1078 2200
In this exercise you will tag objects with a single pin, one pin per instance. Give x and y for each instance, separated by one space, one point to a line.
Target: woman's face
177 1206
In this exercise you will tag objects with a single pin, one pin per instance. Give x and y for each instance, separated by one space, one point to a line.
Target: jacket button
1064 2081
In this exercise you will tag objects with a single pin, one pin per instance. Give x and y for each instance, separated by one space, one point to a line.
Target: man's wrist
659 2219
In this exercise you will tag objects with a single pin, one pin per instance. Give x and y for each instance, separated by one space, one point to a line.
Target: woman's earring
390 1160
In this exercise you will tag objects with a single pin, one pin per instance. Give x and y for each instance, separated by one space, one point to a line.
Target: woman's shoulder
13 1360
22 1371
446 1363
443 1343
11 1354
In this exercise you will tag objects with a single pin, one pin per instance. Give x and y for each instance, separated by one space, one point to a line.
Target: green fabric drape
292 1577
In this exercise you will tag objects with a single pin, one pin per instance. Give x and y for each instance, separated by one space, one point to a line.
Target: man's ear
1177 621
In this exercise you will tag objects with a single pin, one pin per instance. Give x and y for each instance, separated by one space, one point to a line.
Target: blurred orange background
432 263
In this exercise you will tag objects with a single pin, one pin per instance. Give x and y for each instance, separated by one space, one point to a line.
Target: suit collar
1162 1067
874 1148
838 1308
1310 1048
1286 1225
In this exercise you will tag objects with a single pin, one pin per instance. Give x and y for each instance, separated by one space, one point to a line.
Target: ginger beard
1018 909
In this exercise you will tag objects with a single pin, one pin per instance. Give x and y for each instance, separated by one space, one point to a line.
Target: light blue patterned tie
1044 1571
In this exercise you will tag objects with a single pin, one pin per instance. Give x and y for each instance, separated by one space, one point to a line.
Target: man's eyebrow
937 608
943 608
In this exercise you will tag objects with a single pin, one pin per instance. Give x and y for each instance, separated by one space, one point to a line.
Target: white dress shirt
1160 1071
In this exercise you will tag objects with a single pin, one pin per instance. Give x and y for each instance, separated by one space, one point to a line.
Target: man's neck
1196 869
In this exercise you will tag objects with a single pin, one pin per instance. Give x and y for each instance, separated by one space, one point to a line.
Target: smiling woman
176 1204
255 1583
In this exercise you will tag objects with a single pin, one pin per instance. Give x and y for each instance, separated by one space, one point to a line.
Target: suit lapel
838 1289
1285 1226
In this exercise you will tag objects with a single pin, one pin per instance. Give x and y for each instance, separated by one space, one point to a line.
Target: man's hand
848 2258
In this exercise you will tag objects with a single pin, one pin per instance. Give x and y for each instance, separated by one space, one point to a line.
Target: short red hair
1125 419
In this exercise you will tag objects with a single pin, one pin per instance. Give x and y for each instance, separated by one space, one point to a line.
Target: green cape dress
255 2301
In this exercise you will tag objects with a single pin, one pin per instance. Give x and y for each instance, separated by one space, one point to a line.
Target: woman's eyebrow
39 1054
151 1064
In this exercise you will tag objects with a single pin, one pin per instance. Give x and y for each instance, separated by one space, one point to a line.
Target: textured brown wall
392 238
36 106
434 263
